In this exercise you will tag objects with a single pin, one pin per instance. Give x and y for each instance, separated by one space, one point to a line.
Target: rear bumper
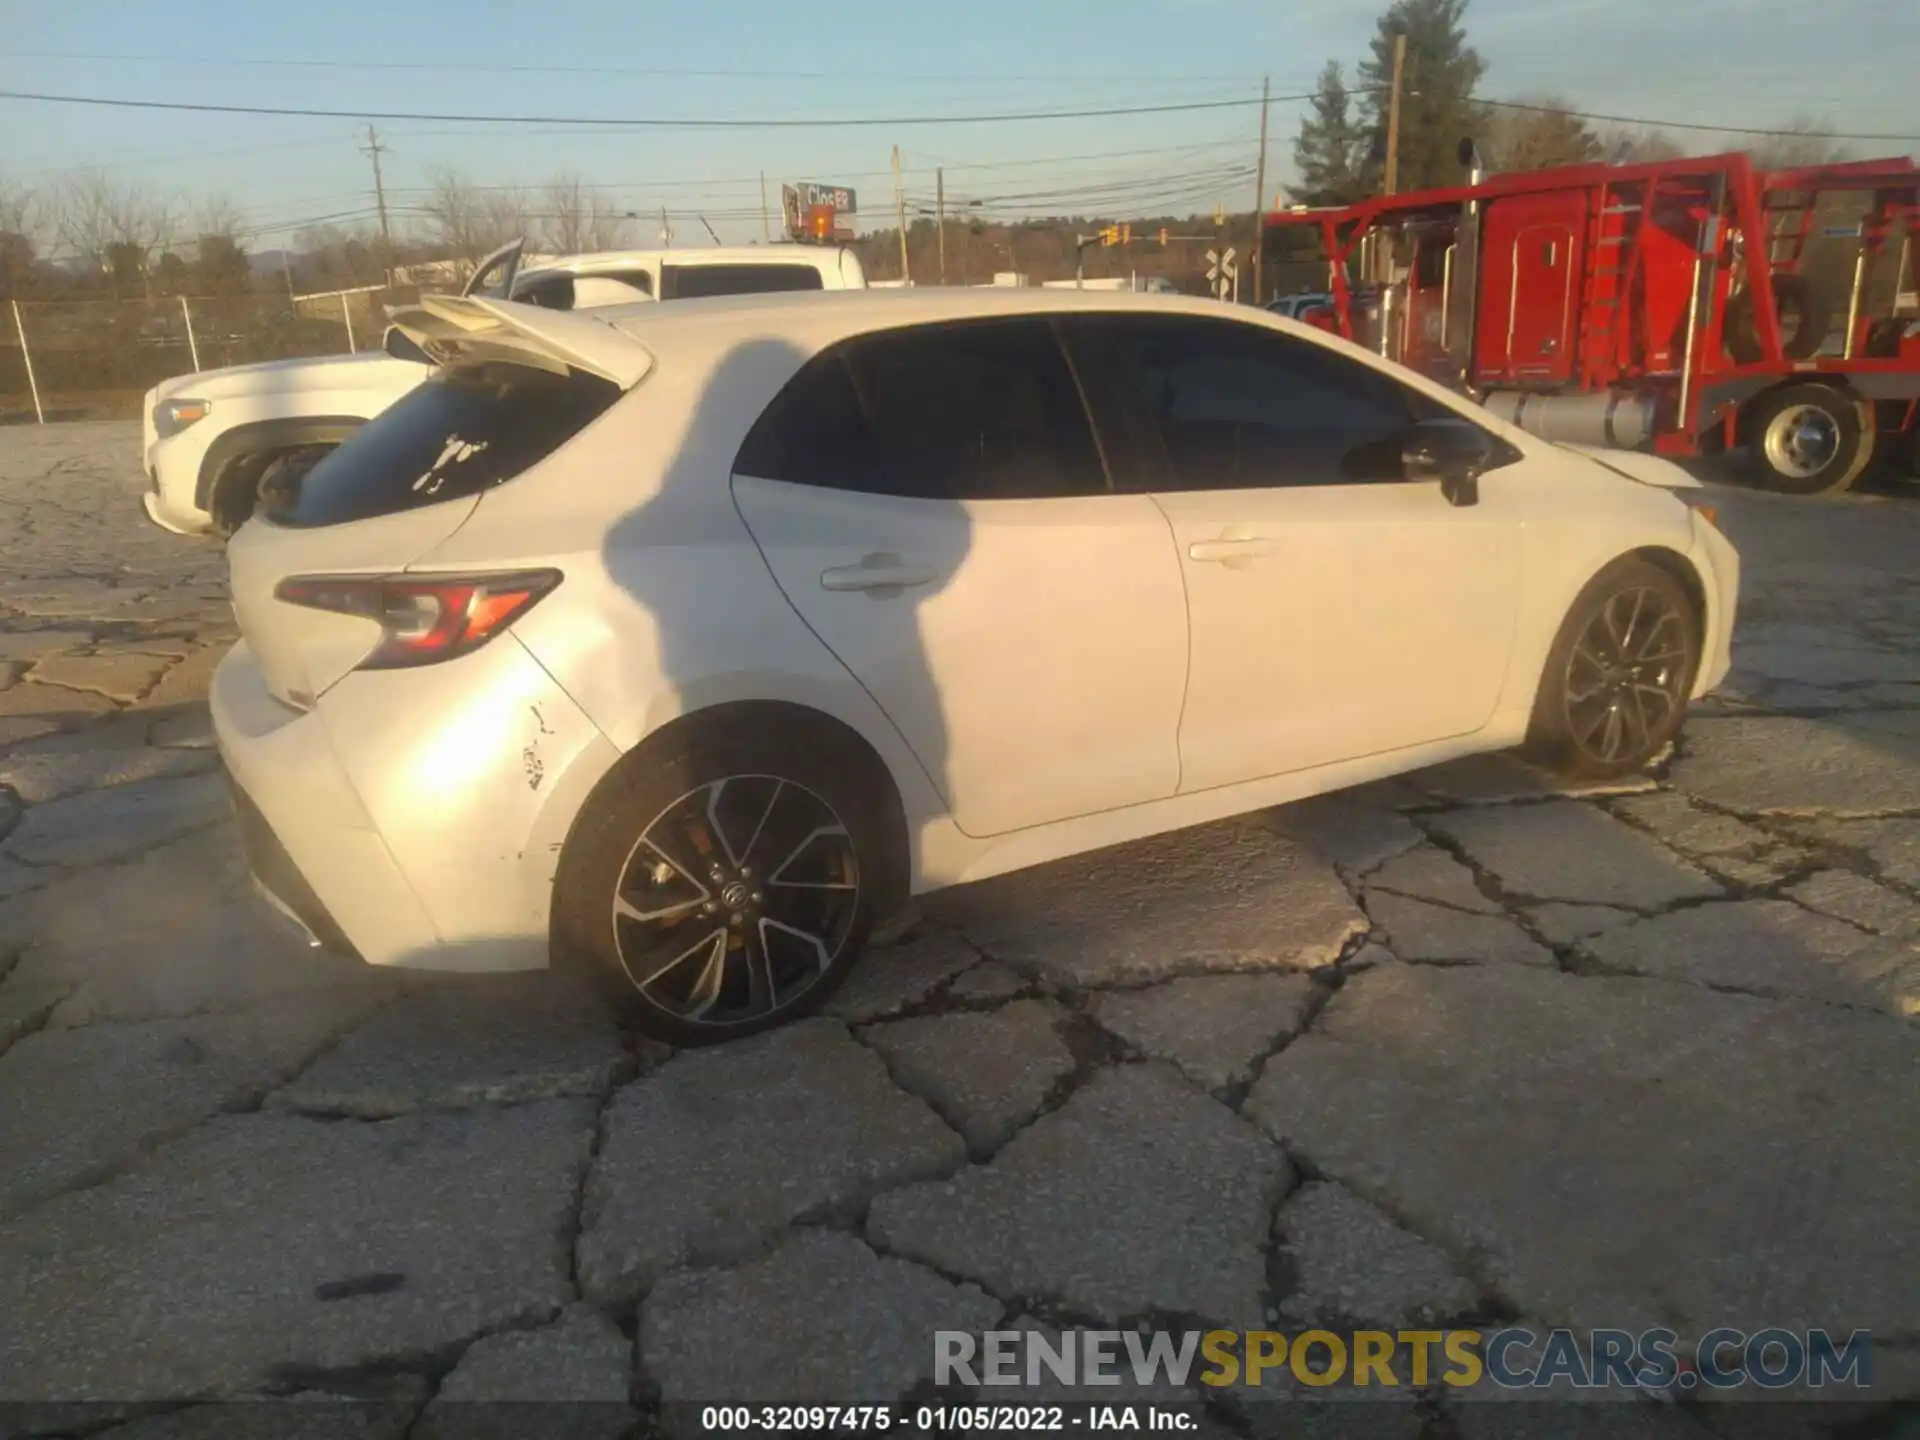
309 839
279 880
412 818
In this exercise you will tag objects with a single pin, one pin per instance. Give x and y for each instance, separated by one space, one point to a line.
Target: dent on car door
932 503
1337 609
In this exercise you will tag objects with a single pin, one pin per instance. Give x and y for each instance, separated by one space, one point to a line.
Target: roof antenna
716 238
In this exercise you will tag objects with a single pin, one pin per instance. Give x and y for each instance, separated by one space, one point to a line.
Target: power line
1696 125
869 121
526 69
1118 187
647 122
751 182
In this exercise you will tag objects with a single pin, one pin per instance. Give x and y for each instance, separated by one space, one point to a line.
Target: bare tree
470 220
114 223
1627 145
578 218
19 208
1544 134
1796 144
19 220
220 259
217 215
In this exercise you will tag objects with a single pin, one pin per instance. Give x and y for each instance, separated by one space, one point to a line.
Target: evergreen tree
1436 96
1330 148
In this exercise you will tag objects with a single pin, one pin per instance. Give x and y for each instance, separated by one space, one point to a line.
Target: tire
1803 321
1808 439
1631 634
252 476
726 842
285 472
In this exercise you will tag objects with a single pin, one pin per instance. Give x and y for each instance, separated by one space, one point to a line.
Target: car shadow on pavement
697 605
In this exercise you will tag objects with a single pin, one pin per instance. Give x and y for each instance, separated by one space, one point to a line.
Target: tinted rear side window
460 433
986 410
695 282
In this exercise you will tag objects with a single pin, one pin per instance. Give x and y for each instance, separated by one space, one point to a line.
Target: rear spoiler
471 330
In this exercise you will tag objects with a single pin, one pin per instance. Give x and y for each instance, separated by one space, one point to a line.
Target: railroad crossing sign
1221 272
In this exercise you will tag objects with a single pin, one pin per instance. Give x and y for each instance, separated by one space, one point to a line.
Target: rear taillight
426 617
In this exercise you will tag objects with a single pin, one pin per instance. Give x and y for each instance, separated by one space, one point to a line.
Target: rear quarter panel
667 606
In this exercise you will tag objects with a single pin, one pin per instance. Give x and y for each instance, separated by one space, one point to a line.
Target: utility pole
940 210
373 149
1260 192
1382 262
900 205
1393 114
766 225
666 230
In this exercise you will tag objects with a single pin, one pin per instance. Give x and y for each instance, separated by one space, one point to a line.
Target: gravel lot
1454 1049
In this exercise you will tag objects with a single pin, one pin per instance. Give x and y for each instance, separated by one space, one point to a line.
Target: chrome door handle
1230 550
878 574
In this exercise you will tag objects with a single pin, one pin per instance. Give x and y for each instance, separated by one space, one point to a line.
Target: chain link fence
95 359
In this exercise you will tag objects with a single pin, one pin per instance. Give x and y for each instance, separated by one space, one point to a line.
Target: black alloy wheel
738 897
1627 675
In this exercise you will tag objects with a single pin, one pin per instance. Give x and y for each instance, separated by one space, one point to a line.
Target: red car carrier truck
1665 306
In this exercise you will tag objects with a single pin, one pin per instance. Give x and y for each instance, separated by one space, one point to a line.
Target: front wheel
1809 440
724 880
1619 674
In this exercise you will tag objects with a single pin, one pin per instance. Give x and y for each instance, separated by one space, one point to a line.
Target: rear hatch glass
460 434
699 282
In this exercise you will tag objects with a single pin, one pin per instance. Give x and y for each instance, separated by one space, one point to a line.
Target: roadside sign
840 197
1221 272
801 203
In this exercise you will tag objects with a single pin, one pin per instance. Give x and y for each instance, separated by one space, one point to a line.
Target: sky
1846 64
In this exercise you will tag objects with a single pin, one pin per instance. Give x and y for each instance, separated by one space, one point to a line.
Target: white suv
214 439
693 638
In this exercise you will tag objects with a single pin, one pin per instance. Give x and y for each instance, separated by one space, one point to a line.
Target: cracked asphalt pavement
1457 1048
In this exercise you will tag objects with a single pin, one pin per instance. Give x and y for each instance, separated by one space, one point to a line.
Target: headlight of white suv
170 417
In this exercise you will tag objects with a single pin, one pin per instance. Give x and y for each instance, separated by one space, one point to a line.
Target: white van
620 277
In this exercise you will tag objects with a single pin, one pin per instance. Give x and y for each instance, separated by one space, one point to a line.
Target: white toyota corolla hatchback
693 639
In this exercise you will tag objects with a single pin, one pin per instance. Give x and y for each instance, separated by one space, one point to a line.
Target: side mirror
1451 451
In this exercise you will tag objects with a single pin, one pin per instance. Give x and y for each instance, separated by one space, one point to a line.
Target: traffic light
1110 236
1126 234
1163 234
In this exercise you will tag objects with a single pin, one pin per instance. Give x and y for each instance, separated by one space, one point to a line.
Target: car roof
820 317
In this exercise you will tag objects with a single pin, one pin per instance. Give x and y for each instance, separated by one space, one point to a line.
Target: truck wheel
253 476
280 481
1809 440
